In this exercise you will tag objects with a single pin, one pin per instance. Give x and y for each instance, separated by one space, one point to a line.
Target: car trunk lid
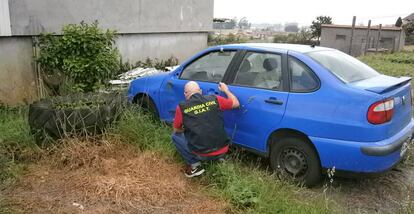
381 84
398 89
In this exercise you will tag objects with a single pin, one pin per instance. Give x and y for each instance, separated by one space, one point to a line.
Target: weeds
397 64
16 144
247 187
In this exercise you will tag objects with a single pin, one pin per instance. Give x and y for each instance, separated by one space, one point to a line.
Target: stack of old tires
75 115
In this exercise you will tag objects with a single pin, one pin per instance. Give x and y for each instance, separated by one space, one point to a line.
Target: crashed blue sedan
306 108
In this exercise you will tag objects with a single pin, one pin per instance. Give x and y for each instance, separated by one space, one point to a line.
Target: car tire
297 159
146 103
48 122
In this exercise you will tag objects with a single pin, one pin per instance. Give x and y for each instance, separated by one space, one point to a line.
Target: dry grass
107 177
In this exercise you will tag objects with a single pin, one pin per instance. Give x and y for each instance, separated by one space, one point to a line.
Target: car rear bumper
364 157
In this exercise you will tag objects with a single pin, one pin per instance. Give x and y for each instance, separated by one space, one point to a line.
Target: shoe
193 171
221 160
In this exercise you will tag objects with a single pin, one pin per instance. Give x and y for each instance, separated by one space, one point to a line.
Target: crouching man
199 127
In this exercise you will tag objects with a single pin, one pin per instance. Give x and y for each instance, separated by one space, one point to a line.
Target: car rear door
207 69
261 85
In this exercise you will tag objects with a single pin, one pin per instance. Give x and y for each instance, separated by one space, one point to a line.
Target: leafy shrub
84 54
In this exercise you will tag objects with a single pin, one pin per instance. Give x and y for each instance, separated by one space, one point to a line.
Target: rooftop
375 27
409 17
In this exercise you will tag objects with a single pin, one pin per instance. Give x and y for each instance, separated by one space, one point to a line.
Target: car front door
207 70
261 85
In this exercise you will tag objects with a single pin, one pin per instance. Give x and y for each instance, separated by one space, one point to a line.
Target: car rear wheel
296 158
147 104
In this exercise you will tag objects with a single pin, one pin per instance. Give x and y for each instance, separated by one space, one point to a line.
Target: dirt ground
116 178
107 178
392 192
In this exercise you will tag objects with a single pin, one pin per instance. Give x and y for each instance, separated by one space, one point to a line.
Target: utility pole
379 37
352 35
367 37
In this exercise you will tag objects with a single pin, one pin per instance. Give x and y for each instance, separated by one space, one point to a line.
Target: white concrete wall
134 47
31 17
17 78
391 39
147 29
5 29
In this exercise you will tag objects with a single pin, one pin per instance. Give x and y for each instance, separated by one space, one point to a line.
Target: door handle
274 101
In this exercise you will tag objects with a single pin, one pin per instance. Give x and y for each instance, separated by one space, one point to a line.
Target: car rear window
345 67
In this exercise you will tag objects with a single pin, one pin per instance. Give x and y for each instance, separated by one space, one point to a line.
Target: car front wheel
296 158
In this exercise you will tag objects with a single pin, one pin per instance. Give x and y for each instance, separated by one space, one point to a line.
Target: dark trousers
190 158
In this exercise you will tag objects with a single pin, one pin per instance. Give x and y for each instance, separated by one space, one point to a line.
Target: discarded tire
77 115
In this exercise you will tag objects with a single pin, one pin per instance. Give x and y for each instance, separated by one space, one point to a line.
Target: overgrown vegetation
16 144
148 63
248 188
225 39
84 55
244 184
304 36
396 64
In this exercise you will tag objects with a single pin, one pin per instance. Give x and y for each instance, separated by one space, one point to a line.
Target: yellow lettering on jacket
200 108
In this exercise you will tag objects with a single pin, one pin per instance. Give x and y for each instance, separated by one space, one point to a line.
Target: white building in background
146 28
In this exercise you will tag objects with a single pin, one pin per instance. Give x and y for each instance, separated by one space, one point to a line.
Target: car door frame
178 72
285 72
230 78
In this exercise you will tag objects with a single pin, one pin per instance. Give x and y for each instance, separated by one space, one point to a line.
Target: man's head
190 89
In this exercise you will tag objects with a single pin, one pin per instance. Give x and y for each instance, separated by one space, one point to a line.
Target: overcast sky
303 12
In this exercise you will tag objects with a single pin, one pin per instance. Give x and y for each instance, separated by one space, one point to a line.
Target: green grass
396 64
247 187
16 144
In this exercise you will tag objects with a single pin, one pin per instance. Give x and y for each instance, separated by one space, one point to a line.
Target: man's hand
223 87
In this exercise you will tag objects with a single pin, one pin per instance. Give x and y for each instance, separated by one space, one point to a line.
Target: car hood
154 76
381 83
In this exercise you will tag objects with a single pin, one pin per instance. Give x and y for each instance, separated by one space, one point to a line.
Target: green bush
84 54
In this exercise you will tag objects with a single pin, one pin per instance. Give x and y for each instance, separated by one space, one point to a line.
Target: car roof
277 46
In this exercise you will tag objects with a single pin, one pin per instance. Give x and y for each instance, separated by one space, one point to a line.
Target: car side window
302 78
209 68
260 70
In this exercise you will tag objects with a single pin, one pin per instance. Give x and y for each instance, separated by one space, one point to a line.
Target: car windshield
345 67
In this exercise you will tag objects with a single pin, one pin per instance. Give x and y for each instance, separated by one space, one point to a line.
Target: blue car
306 108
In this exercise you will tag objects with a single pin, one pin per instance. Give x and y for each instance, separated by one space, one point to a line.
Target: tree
316 25
292 27
233 22
244 23
408 28
399 22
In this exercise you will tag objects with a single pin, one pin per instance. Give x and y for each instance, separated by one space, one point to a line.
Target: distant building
146 28
224 23
339 36
292 27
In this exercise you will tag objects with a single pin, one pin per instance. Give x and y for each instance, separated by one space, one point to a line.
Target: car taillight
381 112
